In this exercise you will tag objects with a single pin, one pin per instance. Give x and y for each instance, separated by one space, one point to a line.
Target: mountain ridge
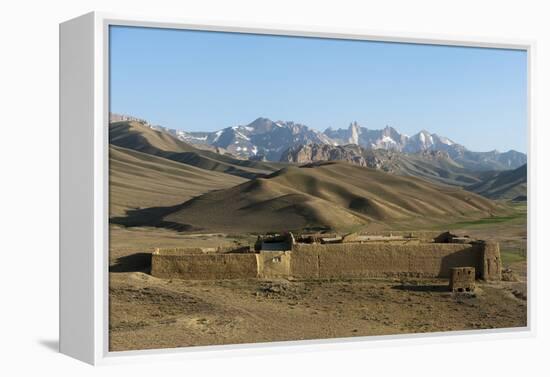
142 138
266 139
434 166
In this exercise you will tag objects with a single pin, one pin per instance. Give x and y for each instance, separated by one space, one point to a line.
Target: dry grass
333 195
140 180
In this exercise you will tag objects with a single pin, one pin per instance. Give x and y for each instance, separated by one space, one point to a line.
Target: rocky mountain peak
270 139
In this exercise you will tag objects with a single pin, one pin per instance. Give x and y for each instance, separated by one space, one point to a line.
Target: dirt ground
147 312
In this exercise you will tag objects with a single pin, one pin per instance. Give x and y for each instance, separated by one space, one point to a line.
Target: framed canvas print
228 186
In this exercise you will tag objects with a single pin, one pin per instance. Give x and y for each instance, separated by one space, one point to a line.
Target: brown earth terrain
155 313
147 312
139 137
331 195
166 193
140 180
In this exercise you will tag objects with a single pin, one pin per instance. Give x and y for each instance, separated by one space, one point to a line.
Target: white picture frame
84 196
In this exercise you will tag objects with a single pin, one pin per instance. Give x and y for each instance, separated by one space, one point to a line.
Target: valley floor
147 312
151 313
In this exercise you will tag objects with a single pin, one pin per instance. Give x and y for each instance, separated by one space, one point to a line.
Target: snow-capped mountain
264 139
389 138
426 141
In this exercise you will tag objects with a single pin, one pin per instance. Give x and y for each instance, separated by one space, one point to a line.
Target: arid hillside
165 192
140 137
140 180
508 184
319 196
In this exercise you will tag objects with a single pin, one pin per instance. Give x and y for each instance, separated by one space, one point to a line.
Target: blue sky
205 81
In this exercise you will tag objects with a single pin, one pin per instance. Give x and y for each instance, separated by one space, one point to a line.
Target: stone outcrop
302 154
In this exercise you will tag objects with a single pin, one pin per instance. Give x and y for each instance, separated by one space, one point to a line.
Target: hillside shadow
152 216
138 262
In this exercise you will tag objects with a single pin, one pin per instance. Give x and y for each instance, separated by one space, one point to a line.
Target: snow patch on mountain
267 140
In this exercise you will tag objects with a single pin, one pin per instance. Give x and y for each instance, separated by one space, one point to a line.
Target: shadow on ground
151 217
52 345
422 288
138 262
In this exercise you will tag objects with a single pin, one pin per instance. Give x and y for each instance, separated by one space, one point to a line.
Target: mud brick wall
491 266
204 266
314 261
186 250
332 261
304 261
273 264
462 279
424 235
203 250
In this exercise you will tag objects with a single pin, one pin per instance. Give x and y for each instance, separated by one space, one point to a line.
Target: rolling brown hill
140 180
332 195
140 137
508 184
